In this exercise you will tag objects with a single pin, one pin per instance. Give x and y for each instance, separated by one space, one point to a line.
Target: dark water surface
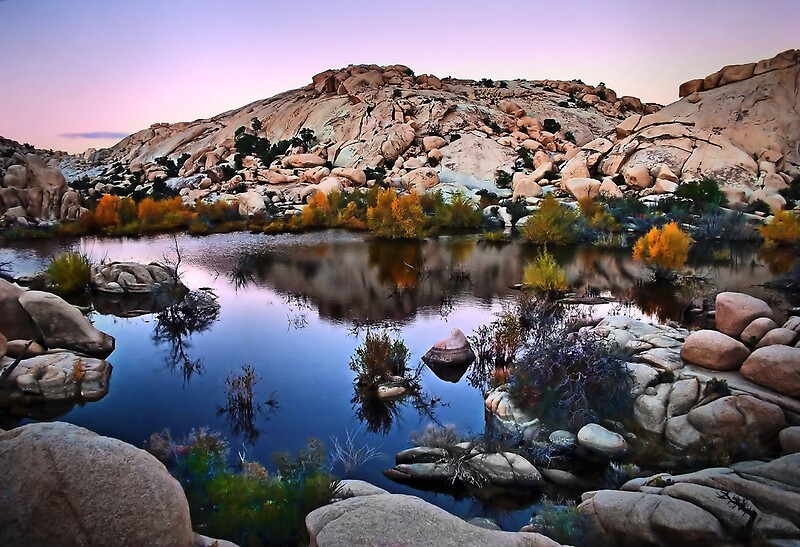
293 307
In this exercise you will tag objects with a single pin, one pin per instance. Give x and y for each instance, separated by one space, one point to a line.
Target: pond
295 308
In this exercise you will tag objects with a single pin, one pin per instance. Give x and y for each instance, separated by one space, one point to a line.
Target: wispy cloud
94 134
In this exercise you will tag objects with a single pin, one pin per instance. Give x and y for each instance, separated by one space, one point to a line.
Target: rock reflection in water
175 326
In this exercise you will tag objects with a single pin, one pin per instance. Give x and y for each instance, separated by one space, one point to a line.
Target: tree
107 211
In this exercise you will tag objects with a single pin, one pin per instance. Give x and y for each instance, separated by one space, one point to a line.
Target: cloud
94 134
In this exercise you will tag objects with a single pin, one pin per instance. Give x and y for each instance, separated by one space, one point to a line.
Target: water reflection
176 324
241 410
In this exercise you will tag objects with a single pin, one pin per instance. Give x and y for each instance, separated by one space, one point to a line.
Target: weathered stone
776 367
15 323
714 350
395 519
780 335
602 442
582 188
756 330
452 351
303 160
790 440
506 469
735 311
63 326
650 408
94 491
634 518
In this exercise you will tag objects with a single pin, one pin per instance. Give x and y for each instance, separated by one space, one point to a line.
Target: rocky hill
518 139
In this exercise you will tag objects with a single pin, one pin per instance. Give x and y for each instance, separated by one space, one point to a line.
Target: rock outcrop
739 126
722 505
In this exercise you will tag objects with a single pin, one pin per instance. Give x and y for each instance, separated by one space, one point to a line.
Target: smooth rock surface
70 486
63 326
395 519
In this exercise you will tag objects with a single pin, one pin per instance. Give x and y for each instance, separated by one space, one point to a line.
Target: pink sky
77 67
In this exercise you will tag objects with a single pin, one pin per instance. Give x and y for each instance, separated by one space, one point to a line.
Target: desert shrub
525 158
395 216
486 82
552 222
570 383
503 179
436 436
562 523
569 136
496 348
758 206
625 208
69 272
318 212
663 249
782 229
217 212
457 212
127 211
165 214
544 274
596 218
701 194
551 125
378 358
252 507
375 173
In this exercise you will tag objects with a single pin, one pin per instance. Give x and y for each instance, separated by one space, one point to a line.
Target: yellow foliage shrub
783 229
395 216
318 211
665 249
544 274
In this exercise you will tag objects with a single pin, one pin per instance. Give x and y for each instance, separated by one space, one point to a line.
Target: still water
295 307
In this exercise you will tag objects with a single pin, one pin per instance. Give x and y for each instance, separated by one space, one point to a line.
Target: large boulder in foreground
64 485
735 311
394 519
775 367
714 350
64 326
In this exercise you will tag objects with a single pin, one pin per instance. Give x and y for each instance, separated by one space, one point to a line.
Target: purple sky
78 73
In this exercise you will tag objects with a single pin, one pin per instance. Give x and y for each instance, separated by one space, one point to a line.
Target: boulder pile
48 350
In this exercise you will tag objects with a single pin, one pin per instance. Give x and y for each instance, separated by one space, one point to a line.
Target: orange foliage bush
164 214
395 216
106 214
664 249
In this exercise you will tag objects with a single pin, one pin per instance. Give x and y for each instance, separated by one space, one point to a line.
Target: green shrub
503 179
69 272
552 222
569 136
252 507
551 125
702 194
457 212
562 523
544 274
